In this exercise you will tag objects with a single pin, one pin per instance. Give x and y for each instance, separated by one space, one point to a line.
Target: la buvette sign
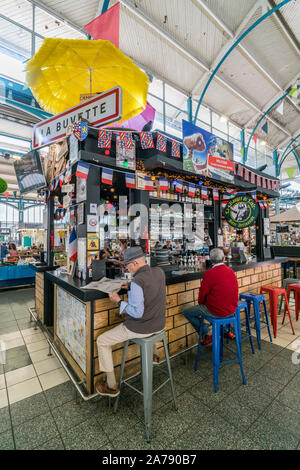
241 212
99 110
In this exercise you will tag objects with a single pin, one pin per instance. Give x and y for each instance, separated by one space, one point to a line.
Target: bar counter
80 316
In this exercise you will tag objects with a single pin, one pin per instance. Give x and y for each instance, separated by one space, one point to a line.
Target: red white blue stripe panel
107 176
83 169
130 180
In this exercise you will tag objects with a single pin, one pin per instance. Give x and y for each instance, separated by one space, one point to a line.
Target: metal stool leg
199 345
147 372
239 351
267 319
216 353
248 329
221 342
170 371
256 309
121 375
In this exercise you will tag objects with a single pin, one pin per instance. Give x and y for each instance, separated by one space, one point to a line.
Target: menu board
71 326
206 154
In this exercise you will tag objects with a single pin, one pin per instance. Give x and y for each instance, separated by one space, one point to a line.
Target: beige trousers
116 335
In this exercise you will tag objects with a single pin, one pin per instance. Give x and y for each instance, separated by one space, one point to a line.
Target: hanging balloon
3 185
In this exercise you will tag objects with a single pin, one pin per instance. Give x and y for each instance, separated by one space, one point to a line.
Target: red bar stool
296 289
274 293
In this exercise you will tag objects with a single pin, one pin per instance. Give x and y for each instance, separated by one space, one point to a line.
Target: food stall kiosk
108 185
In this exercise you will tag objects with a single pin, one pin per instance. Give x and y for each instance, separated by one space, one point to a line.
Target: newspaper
105 285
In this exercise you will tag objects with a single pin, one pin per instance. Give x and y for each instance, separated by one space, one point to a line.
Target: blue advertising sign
206 154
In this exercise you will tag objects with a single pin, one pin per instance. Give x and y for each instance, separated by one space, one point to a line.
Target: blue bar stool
244 306
255 299
218 342
146 345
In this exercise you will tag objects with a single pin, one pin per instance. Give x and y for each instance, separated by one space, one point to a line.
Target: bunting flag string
130 180
192 190
175 149
161 143
215 194
280 108
246 174
265 127
240 171
179 186
82 170
204 192
255 137
68 174
146 140
126 141
104 139
163 184
107 176
149 186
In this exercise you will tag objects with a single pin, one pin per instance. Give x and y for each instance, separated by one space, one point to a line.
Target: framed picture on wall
80 213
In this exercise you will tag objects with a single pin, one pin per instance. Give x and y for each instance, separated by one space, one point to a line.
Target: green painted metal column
243 146
190 109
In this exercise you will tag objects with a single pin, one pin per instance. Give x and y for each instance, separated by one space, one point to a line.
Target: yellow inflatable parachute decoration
63 69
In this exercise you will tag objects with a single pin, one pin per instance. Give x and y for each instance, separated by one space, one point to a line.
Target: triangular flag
290 172
265 128
294 91
280 108
242 151
255 138
106 26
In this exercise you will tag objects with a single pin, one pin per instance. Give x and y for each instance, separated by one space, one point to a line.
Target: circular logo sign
241 212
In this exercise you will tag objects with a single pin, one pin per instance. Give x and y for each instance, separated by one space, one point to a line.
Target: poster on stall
207 154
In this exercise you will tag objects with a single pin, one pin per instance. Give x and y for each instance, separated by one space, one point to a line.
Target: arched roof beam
251 28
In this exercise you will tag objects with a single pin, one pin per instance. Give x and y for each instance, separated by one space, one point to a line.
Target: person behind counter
12 250
218 296
144 314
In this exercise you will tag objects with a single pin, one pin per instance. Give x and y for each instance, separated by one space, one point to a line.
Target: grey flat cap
132 253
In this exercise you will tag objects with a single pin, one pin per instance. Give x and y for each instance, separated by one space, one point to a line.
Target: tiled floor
37 409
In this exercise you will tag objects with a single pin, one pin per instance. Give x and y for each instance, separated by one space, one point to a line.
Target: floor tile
265 384
28 409
270 436
69 415
53 378
16 358
6 441
59 395
217 433
10 336
290 397
3 398
37 346
5 423
40 355
282 415
2 382
23 390
35 432
47 365
12 327
86 436
53 444
34 338
14 343
30 332
20 375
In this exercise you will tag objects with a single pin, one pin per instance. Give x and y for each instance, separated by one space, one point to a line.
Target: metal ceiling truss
56 15
287 32
284 155
234 45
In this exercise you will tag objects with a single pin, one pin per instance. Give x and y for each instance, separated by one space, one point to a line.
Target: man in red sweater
218 295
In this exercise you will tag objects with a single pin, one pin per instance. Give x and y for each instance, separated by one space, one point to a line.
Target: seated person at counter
168 245
145 314
177 247
3 251
106 253
218 296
